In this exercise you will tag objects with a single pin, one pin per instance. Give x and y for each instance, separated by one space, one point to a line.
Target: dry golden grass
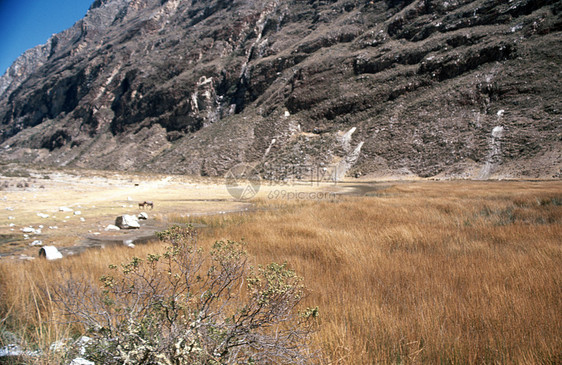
426 272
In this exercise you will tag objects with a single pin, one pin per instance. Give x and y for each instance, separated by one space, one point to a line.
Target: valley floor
402 272
71 209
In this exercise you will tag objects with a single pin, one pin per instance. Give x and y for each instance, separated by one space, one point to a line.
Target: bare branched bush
188 307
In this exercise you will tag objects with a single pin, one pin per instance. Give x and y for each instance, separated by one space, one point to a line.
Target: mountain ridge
461 89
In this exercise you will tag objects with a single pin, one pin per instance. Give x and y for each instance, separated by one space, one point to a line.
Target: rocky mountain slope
453 88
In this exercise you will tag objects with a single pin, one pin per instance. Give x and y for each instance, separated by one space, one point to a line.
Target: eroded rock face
199 86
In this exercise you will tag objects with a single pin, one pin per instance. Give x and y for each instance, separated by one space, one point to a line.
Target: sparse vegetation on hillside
443 272
424 82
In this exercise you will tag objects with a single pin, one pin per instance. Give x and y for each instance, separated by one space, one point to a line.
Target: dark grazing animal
146 204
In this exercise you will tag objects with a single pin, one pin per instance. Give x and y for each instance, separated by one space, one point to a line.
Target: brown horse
146 204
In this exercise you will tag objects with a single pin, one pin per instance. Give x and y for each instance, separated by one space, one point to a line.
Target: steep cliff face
457 88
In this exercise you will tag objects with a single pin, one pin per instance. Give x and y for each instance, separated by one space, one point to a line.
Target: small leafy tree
186 307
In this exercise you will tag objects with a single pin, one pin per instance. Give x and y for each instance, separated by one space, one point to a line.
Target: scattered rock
112 227
50 253
127 222
65 209
13 350
60 345
77 212
497 132
82 219
31 230
82 344
81 361
36 243
43 215
10 350
143 216
129 243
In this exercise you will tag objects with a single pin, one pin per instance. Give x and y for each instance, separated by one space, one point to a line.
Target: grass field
420 272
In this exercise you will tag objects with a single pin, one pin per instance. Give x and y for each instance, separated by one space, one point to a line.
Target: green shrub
184 306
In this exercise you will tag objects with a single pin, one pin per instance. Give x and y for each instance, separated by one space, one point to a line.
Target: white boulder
112 227
50 253
143 216
127 222
65 209
31 230
36 243
498 131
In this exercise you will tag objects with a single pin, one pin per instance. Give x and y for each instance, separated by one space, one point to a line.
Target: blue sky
25 24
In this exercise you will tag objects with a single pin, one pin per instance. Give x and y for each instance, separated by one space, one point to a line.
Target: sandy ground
71 209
